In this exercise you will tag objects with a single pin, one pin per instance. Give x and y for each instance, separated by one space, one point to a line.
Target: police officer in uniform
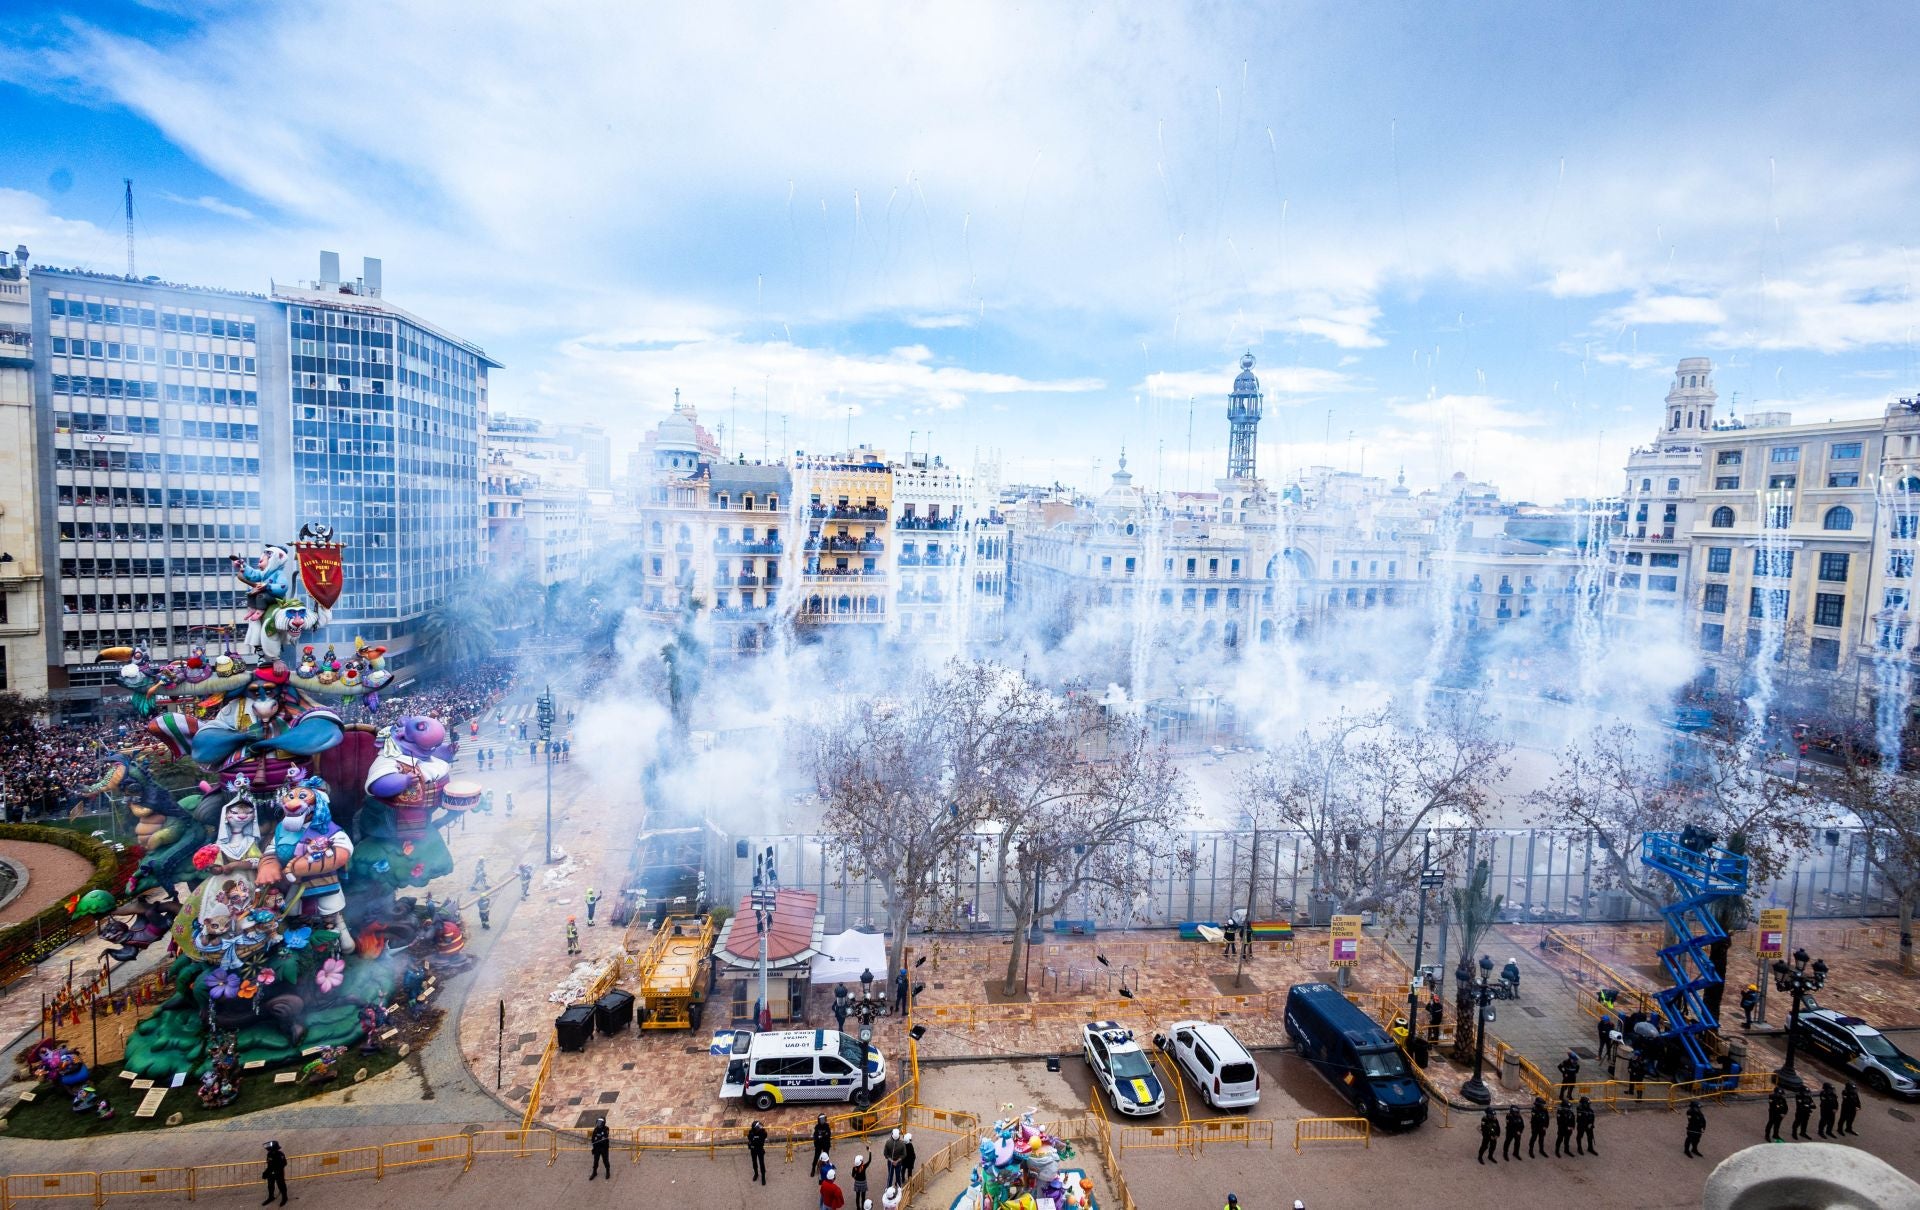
1563 1129
1537 1128
1515 1124
1696 1126
1829 1105
1849 1105
1583 1136
1776 1114
1489 1137
1802 1112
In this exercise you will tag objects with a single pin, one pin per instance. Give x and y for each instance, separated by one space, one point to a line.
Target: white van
1216 1062
793 1065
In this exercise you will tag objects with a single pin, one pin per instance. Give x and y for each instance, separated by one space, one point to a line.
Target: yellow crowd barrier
51 1186
419 1152
514 1144
1332 1130
146 1182
539 1084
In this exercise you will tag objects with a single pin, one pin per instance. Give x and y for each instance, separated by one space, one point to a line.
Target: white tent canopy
843 957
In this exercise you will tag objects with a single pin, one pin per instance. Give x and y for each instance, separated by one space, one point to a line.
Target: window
1906 525
1722 517
1900 564
1778 563
1660 560
1713 636
1829 609
1833 567
1839 517
1824 654
1843 450
1634 558
1673 485
1769 603
1784 453
1726 483
1727 458
1720 558
1663 583
1779 516
1646 485
1844 479
1776 481
1629 579
1715 600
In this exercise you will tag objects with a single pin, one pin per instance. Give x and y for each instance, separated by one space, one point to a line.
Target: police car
1851 1043
1122 1068
794 1065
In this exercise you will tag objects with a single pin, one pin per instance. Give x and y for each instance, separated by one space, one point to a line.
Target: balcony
847 512
910 559
848 546
16 345
747 581
747 548
685 548
934 523
847 573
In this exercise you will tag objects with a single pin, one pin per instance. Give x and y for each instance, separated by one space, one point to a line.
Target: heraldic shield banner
321 571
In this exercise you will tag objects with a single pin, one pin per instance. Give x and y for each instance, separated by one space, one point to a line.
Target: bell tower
1243 421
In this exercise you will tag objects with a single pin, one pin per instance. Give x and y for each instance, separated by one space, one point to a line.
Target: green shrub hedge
45 931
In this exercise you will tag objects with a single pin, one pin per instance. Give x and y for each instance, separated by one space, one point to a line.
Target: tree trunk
1906 934
1011 987
899 919
1712 994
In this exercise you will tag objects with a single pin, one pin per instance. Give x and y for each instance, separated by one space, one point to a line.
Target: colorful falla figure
269 580
309 852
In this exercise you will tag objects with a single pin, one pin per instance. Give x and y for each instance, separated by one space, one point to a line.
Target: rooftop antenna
766 424
733 417
129 184
1186 479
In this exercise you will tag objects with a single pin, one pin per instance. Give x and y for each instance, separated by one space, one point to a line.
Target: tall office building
387 416
23 662
154 404
176 426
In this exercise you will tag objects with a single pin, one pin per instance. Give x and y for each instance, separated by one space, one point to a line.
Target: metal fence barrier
1332 1130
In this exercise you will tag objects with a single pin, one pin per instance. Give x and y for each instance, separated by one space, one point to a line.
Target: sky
1457 238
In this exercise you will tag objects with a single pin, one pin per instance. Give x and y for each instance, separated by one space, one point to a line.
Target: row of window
1838 519
150 426
182 359
133 388
147 317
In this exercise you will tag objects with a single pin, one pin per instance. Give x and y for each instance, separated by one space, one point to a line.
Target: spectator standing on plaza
1829 1105
1636 1072
890 1200
1436 1009
1583 1133
840 1008
1563 1129
1849 1105
1696 1126
1537 1129
861 1162
1569 1075
900 990
276 1172
822 1143
1489 1137
1802 1112
890 1152
602 1140
908 1159
757 1152
1515 1125
831 1198
1510 975
1776 1114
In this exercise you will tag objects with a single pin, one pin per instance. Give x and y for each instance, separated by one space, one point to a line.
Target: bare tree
1364 789
900 782
1887 807
1083 801
1621 783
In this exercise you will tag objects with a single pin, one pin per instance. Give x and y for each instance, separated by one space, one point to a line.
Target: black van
1355 1055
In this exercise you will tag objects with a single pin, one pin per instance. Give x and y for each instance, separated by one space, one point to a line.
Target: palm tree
458 631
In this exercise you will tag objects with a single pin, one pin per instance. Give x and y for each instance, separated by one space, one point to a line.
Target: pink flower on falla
266 977
406 848
332 974
418 869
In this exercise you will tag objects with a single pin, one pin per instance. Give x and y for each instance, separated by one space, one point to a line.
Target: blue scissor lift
1703 874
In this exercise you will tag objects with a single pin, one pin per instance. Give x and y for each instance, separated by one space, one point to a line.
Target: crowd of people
44 772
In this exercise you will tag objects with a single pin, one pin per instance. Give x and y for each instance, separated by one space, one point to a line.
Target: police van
795 1065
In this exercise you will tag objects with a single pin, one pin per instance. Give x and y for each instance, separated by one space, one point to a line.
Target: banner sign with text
1345 941
1773 932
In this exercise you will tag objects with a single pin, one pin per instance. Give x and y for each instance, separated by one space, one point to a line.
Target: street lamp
1476 1089
1797 980
545 713
1430 878
765 898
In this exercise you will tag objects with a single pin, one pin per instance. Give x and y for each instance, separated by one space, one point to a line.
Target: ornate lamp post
1796 980
1476 1089
546 712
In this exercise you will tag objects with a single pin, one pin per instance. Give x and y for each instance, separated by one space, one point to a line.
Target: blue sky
1460 237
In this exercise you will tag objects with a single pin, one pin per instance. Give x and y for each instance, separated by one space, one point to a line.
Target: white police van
795 1065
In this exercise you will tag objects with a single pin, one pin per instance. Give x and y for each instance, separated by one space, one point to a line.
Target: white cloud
1275 382
213 205
1666 309
1470 412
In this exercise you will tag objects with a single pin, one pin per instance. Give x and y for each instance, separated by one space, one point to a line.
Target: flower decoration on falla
332 973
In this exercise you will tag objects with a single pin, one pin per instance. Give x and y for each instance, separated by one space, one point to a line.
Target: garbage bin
1510 1071
613 1012
574 1026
